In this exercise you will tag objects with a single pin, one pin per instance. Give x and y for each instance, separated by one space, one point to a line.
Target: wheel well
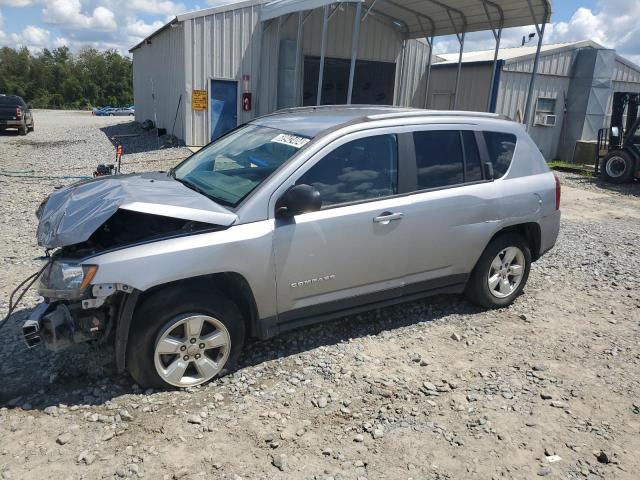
231 284
530 232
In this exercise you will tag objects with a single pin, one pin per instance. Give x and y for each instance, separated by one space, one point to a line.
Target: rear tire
165 319
501 272
618 167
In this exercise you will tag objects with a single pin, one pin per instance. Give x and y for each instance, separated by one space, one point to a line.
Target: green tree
59 78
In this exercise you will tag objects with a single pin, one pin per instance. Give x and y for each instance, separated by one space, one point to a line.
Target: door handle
386 217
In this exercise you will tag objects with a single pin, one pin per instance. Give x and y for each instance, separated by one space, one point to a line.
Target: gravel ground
435 389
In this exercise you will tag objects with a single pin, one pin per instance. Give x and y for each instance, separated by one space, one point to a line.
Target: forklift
618 150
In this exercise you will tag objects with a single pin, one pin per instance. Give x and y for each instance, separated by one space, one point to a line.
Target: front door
352 251
224 107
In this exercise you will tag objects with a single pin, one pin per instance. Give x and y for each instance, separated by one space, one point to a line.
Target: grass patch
586 170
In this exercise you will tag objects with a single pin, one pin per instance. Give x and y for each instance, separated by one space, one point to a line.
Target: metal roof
510 53
416 18
426 18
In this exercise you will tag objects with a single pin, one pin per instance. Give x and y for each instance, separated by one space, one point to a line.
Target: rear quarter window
501 147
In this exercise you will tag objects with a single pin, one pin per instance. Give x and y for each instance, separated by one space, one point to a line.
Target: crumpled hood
72 214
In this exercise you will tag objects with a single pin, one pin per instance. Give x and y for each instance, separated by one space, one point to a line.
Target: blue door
224 107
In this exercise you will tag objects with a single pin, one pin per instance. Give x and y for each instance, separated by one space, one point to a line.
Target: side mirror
488 170
298 199
615 132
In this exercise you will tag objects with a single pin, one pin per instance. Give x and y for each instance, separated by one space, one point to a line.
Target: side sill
271 326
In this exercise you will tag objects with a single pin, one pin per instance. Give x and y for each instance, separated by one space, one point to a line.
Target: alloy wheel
506 272
191 350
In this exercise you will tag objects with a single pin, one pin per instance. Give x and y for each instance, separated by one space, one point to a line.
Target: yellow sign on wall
199 100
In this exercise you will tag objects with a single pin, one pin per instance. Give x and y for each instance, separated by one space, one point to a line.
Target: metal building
205 72
572 98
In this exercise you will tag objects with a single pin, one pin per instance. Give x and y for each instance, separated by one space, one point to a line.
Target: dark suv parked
15 113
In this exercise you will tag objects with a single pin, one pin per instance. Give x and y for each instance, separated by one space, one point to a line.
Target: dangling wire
29 281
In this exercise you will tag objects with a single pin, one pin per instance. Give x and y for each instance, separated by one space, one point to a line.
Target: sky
120 24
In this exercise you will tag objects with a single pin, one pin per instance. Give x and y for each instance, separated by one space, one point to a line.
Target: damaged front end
86 220
73 311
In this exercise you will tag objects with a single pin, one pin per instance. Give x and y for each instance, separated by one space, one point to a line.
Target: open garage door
373 82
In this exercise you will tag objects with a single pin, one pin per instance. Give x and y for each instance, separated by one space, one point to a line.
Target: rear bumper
549 230
11 123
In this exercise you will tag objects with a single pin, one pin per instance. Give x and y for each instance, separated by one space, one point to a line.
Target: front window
363 169
232 167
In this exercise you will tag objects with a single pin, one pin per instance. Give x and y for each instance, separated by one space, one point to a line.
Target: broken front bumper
60 325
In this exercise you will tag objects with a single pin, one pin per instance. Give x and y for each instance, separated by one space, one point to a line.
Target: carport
420 19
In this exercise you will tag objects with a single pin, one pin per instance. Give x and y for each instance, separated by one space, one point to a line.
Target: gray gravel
436 389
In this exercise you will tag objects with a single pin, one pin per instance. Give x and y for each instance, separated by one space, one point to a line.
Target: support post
323 48
534 73
540 30
354 49
494 73
277 105
429 63
497 36
459 74
296 80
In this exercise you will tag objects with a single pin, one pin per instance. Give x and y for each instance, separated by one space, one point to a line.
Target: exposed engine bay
125 228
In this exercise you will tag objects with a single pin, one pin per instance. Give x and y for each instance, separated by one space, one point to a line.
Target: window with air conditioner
546 112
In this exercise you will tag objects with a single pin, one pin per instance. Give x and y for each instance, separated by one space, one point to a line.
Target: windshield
10 100
230 168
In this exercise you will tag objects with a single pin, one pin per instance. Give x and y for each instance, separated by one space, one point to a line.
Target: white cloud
32 37
157 7
16 3
613 24
68 14
140 29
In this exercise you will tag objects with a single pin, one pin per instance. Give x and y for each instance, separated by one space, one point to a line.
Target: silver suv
299 216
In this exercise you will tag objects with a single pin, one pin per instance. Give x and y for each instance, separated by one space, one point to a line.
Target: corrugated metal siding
222 46
553 63
512 95
378 41
624 73
475 83
412 75
159 68
228 44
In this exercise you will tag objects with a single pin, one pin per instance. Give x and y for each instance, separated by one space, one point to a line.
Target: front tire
184 338
501 272
22 130
618 167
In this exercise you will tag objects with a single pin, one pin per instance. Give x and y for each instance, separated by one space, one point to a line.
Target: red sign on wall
246 101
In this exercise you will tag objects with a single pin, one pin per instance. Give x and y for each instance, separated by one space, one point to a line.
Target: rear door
352 251
454 208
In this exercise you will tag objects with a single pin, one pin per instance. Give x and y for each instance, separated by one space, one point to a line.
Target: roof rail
435 113
313 108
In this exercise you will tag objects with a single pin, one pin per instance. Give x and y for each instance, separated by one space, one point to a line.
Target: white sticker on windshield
293 140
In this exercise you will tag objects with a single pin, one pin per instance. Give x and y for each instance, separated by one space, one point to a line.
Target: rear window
501 147
10 100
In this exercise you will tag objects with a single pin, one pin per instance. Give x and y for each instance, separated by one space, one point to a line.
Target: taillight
18 112
557 191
